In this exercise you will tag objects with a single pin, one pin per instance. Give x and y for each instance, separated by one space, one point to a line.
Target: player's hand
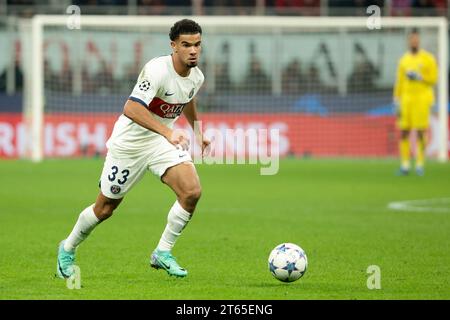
204 143
180 139
413 75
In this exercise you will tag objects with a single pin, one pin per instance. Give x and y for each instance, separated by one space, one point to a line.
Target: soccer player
414 97
143 140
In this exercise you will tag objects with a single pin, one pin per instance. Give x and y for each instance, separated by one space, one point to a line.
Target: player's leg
404 124
420 123
420 152
404 152
88 219
117 178
184 181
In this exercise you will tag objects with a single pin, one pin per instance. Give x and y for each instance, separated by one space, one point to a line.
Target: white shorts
119 175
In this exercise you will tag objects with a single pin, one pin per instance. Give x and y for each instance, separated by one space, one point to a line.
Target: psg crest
144 85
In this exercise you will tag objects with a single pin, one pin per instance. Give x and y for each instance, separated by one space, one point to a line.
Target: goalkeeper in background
413 98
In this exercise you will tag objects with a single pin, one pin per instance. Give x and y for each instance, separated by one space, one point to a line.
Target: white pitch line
427 205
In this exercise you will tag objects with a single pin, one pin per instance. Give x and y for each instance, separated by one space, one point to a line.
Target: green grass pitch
336 210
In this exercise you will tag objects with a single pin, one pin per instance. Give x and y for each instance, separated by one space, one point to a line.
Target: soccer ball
288 262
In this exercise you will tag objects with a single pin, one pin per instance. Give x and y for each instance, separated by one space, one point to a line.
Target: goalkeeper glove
413 75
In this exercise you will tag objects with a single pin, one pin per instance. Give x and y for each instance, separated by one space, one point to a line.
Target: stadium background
328 95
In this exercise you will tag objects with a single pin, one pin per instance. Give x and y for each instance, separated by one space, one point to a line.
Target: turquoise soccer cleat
165 260
65 262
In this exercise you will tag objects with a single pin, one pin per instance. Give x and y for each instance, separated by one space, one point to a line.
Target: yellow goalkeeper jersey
419 91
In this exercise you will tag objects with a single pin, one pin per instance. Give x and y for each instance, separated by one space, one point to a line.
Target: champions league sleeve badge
144 85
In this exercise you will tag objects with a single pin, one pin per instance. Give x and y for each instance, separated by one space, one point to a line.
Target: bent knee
104 212
192 195
195 193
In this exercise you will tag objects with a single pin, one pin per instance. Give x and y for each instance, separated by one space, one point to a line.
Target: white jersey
163 92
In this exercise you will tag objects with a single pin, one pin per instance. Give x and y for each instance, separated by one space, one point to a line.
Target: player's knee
196 193
192 195
105 211
105 214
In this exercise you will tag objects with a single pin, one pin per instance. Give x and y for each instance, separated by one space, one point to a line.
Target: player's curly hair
185 26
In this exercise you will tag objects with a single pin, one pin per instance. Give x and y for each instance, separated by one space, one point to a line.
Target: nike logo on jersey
167 94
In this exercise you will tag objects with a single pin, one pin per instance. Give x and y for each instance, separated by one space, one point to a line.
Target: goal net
324 83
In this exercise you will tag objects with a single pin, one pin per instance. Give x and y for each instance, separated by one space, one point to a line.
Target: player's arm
430 74
135 108
190 112
398 87
139 114
143 92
